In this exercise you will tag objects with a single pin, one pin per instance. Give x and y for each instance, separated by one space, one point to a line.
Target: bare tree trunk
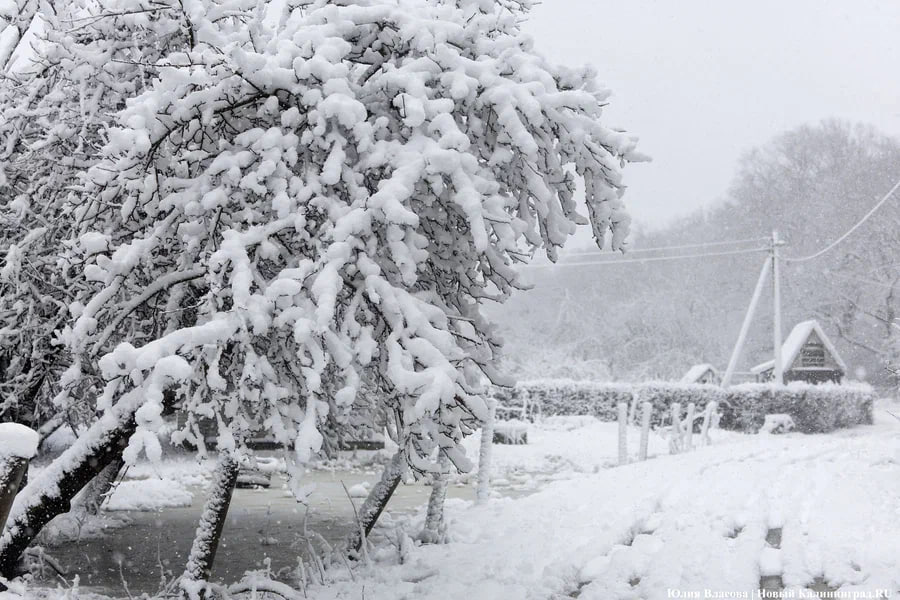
51 493
212 521
434 531
377 499
12 470
97 490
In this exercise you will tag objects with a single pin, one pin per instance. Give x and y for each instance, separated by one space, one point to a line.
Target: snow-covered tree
74 65
73 68
298 208
333 201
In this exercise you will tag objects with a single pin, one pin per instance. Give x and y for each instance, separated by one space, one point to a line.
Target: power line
644 260
679 247
849 231
862 280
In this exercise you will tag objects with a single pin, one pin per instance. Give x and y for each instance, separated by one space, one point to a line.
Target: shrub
814 408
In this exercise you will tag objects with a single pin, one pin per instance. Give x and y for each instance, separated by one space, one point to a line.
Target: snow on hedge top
18 440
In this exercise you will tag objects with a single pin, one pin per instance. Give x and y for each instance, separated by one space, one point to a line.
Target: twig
362 532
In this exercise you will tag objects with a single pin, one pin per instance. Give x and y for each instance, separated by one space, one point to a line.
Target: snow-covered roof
696 372
794 342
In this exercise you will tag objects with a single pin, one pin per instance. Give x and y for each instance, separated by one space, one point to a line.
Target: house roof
696 372
794 342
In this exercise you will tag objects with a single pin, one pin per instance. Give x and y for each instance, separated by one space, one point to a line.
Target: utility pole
778 368
745 326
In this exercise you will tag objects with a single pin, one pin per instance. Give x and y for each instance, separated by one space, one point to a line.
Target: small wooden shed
806 355
704 373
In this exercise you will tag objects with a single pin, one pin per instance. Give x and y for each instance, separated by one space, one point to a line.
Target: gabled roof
794 342
698 371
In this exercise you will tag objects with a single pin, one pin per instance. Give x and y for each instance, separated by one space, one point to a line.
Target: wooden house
806 355
704 373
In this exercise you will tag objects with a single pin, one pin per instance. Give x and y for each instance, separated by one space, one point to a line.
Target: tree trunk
483 486
377 499
12 470
434 531
212 521
97 490
51 493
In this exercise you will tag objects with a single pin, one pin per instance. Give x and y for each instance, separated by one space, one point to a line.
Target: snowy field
788 512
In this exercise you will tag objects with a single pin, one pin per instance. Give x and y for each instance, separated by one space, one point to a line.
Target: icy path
676 525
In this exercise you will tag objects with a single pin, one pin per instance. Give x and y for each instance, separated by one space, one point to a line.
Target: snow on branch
284 218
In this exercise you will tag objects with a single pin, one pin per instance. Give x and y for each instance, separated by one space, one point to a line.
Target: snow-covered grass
148 494
564 446
186 469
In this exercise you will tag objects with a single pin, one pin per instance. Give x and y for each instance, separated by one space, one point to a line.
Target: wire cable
644 260
849 231
679 247
883 284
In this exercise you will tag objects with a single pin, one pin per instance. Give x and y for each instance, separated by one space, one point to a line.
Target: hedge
814 408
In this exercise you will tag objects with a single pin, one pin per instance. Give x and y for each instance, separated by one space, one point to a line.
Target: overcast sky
701 81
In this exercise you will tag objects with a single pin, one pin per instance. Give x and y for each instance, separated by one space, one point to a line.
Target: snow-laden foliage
57 107
288 215
814 408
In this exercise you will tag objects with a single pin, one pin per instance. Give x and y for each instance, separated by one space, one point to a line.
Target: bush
552 397
814 408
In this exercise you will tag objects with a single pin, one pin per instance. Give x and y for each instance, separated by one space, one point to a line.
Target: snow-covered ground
564 447
785 511
781 512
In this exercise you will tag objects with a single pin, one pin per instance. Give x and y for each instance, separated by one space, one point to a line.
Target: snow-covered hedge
814 408
599 399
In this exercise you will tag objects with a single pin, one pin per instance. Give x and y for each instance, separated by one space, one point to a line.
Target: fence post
675 436
645 430
18 444
623 433
632 410
707 421
689 432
